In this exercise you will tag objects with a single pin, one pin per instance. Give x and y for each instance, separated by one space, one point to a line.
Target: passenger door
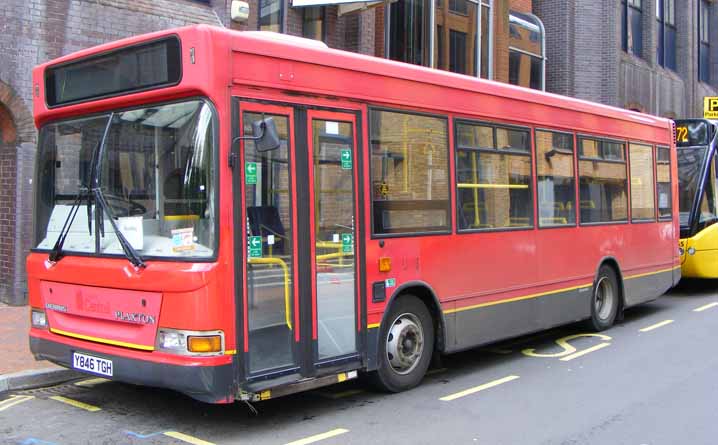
296 229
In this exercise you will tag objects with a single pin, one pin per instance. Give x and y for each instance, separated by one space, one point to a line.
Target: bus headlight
38 319
691 251
182 342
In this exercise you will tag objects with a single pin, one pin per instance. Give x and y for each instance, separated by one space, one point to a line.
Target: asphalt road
645 381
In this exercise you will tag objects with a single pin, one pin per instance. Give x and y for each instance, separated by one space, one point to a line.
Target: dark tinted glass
119 72
691 133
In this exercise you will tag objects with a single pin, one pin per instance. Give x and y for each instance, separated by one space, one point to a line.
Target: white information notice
131 228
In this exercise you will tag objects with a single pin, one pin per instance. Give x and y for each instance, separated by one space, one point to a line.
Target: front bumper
211 384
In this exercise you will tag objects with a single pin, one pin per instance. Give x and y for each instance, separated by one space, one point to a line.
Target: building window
526 57
493 175
666 47
631 27
642 184
407 31
603 188
704 45
458 35
409 172
663 182
270 15
555 181
313 22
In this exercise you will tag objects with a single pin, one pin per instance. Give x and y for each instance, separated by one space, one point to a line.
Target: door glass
333 159
269 250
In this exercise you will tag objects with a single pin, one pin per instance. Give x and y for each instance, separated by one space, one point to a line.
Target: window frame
574 156
653 152
579 158
282 13
429 53
494 126
666 21
704 46
626 6
323 15
670 182
215 177
450 222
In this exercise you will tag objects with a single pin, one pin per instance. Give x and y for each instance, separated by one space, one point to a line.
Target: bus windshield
691 164
156 172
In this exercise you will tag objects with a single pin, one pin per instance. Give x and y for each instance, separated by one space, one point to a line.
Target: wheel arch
426 294
612 262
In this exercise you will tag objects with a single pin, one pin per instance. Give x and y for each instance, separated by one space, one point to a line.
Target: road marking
585 351
14 400
707 306
656 326
186 438
318 437
475 389
563 342
77 404
91 382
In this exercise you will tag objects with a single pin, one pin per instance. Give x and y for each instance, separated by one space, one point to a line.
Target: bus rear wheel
605 299
406 345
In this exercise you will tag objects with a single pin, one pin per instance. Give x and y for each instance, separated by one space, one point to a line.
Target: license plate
92 364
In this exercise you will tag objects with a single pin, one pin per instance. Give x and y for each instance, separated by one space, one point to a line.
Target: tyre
605 299
406 344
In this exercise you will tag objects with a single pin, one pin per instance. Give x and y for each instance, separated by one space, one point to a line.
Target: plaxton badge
135 317
55 307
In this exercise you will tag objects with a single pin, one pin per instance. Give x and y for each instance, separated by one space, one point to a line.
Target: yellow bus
697 168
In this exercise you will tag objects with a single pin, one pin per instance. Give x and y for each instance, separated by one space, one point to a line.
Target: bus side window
555 178
663 182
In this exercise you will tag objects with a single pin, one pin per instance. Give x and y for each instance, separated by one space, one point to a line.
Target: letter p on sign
710 107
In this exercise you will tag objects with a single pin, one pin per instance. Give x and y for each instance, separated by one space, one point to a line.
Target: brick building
34 31
496 39
656 56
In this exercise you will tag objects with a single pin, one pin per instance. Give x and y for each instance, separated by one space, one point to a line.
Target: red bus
243 215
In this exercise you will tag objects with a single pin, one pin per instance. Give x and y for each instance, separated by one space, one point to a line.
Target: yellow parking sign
710 107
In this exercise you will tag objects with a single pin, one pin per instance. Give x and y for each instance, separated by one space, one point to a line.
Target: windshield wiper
103 207
56 252
127 248
84 192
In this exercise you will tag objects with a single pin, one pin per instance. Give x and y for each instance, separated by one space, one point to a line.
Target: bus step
302 385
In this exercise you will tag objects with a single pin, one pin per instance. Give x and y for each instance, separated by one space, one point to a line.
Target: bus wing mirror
265 132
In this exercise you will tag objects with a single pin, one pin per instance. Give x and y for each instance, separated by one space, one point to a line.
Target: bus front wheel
406 345
605 299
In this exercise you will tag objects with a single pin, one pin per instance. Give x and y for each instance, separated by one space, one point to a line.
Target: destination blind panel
137 68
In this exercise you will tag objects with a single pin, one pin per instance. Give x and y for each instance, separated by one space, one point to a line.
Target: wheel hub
604 298
405 343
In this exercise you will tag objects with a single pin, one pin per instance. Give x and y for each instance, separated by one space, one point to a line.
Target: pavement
18 367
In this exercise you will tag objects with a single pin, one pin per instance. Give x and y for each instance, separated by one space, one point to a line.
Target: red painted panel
117 315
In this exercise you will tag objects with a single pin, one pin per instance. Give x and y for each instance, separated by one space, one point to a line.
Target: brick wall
585 58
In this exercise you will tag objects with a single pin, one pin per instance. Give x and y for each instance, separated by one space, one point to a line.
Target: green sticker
255 246
347 242
390 282
346 159
250 173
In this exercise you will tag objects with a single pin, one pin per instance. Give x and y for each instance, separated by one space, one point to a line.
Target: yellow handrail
285 269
